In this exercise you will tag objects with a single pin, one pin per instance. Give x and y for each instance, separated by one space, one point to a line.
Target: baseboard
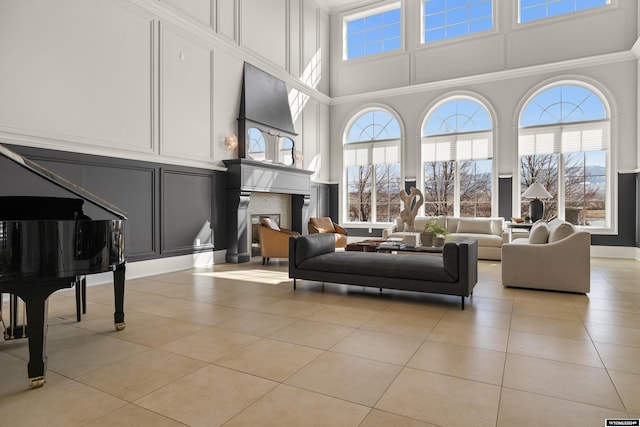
623 252
136 270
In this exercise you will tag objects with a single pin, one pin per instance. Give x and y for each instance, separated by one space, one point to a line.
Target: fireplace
251 182
264 108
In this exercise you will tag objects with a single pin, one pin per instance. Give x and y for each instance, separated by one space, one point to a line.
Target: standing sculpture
412 203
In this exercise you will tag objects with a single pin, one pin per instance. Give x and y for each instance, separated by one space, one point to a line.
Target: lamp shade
536 191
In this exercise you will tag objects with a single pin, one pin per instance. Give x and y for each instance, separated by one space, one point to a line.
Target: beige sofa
489 232
556 257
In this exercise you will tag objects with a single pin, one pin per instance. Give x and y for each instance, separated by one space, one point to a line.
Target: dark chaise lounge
313 257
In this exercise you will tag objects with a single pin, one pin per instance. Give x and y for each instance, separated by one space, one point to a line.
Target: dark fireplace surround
246 176
264 105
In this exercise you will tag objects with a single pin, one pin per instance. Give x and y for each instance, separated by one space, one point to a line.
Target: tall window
372 167
377 31
443 19
564 144
531 10
457 151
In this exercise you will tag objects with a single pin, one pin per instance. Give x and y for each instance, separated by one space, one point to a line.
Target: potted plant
433 234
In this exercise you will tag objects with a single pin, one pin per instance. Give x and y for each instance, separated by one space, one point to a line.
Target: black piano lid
61 182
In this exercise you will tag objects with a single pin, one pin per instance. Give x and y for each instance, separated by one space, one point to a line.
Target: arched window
457 165
563 143
372 167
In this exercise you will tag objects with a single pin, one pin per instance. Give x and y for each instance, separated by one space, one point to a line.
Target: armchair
326 225
274 241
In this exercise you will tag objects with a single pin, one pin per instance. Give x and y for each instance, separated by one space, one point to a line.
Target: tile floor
234 345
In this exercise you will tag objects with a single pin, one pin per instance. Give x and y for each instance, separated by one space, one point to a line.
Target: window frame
563 16
491 136
476 34
395 4
369 145
610 174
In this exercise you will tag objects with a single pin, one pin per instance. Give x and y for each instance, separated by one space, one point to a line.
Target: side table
518 226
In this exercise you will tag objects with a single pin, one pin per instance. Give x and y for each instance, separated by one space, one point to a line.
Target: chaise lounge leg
462 303
263 259
294 284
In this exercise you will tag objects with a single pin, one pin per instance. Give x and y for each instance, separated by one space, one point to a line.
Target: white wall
501 66
152 80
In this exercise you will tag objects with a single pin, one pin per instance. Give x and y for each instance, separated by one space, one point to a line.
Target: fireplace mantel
245 176
252 175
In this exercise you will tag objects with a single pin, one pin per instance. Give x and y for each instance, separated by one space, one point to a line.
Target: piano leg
118 290
37 308
35 295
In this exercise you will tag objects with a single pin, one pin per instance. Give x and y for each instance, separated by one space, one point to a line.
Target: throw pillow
269 223
497 226
539 233
474 226
561 231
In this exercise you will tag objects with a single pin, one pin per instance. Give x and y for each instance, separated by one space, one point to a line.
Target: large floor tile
573 329
441 399
346 377
401 324
580 352
619 357
256 323
290 406
60 402
460 361
210 344
470 335
381 346
271 359
140 374
378 418
345 316
313 334
522 409
207 397
133 415
628 385
577 383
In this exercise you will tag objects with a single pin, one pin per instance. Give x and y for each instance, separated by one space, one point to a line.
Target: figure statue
412 203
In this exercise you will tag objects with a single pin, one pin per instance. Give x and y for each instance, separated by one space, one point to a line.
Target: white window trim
370 12
370 146
554 19
462 38
610 187
489 134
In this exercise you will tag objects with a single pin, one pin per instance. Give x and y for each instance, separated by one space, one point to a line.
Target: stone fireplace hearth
250 183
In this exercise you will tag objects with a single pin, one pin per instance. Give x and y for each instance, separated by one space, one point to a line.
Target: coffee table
370 245
415 249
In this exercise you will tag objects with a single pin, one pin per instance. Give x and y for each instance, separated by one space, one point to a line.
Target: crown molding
605 59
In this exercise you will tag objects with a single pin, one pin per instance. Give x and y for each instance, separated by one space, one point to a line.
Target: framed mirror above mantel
265 125
261 143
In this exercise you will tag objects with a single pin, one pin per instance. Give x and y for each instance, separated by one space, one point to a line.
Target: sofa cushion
484 240
452 224
474 225
416 267
314 245
560 231
539 233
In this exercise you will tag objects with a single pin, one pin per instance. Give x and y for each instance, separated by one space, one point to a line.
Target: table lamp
536 191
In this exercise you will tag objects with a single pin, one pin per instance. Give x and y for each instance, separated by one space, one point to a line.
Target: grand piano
49 243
